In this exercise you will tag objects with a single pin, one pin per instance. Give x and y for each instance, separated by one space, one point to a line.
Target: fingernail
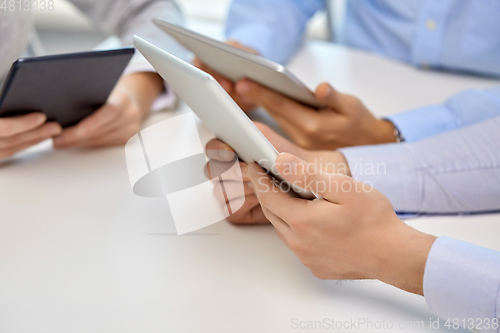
249 185
39 118
242 87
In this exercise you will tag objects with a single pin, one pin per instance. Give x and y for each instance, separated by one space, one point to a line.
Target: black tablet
66 87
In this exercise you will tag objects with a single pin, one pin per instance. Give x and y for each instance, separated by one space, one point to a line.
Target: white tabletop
79 252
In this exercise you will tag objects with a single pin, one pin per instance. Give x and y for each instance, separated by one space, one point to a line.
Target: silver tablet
236 64
217 110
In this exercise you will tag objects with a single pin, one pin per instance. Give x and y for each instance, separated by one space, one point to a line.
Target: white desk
79 252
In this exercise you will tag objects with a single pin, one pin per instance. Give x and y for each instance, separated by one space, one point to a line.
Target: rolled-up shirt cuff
165 100
388 168
462 281
423 122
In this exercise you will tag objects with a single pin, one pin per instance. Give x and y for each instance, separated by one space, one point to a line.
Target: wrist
144 88
385 131
405 258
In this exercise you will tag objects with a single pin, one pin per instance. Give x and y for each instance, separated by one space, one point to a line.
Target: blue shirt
459 35
451 161
455 35
462 283
454 172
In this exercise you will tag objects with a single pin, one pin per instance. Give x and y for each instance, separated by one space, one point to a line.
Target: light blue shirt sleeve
447 34
454 172
462 283
274 28
466 108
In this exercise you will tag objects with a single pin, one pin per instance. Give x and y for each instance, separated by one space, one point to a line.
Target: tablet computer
236 64
217 110
66 87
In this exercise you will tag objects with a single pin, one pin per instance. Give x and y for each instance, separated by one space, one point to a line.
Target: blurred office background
65 29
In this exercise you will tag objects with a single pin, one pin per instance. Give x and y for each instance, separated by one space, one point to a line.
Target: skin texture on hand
19 133
352 233
228 85
344 122
120 118
251 211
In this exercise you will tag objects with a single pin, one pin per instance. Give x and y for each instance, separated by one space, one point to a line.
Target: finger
297 120
232 189
13 150
230 175
5 153
273 199
219 151
279 224
11 126
197 62
330 97
227 85
116 132
223 81
279 142
336 188
249 213
104 139
88 127
113 134
275 103
232 192
105 115
39 134
274 138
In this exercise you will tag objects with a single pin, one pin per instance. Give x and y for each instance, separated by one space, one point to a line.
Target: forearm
456 172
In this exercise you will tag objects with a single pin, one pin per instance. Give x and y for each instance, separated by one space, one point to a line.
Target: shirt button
431 24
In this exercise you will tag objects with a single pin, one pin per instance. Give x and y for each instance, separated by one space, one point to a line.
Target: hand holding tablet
219 113
323 119
65 87
236 63
227 84
43 94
